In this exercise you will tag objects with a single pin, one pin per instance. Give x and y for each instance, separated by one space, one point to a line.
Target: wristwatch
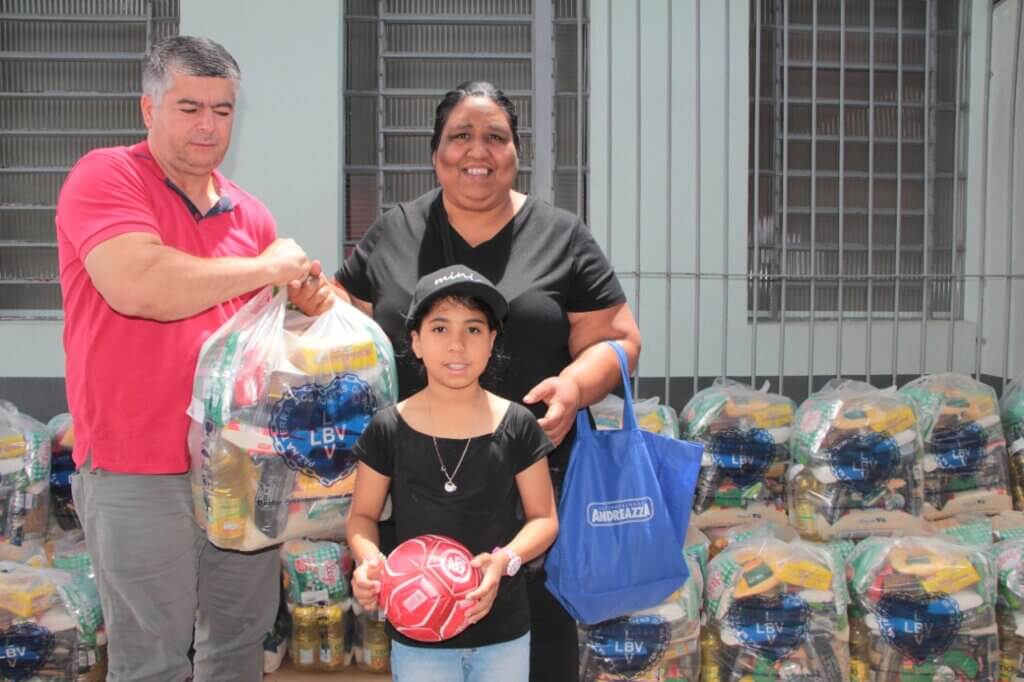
514 562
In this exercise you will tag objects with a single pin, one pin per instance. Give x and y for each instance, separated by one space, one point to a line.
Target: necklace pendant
450 487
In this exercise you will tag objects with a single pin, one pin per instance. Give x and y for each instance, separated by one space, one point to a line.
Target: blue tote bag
623 515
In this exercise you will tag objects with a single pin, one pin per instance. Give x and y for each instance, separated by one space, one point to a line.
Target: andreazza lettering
617 512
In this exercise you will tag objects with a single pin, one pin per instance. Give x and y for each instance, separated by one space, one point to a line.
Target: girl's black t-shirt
481 513
544 261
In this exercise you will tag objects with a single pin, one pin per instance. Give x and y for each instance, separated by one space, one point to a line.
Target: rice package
964 446
923 608
856 467
776 610
745 434
1008 557
51 624
658 644
1011 410
278 402
62 467
24 476
650 415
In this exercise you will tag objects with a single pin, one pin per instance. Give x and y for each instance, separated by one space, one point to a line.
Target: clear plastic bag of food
62 467
1011 411
745 433
964 458
652 645
278 402
775 610
650 415
1008 559
922 608
856 467
24 476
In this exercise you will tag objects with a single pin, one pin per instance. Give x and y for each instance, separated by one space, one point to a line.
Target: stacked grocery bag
1008 557
745 434
1011 408
965 467
655 644
278 402
650 415
924 608
856 467
776 609
24 476
62 467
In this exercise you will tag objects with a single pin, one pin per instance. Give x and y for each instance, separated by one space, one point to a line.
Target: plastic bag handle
629 422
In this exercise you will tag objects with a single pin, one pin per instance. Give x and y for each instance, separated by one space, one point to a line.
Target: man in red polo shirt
158 249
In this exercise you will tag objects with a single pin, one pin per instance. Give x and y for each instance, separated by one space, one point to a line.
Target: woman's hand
314 294
484 596
366 582
562 396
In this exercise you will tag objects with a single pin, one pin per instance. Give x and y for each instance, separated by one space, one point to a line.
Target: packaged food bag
856 467
24 476
745 434
62 466
51 624
923 608
775 610
315 572
650 416
964 447
278 402
1011 410
652 645
1008 558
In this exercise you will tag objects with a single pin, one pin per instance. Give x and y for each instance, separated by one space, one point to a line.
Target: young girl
457 460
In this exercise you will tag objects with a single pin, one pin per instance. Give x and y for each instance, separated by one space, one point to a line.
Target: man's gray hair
188 56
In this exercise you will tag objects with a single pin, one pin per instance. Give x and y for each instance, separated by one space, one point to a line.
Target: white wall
683 133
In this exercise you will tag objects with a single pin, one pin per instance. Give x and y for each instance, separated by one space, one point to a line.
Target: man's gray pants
159 578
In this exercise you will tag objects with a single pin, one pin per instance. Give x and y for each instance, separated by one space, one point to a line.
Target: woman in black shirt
563 294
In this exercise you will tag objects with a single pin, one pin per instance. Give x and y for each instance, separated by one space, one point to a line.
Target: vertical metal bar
756 209
149 24
899 190
869 333
381 117
698 161
725 201
580 141
842 184
1011 196
668 211
814 192
983 210
785 193
928 194
639 185
542 173
957 223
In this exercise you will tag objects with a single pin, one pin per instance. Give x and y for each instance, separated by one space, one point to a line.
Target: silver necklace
449 486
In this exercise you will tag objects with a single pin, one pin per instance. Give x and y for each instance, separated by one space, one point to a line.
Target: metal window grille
403 55
69 82
857 127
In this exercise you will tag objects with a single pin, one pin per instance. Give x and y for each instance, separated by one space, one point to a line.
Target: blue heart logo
962 448
773 626
863 460
626 646
24 649
742 455
920 627
315 426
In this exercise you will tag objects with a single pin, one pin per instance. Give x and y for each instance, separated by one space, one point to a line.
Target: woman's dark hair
473 89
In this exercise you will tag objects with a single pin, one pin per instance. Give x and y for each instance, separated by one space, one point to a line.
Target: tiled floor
350 674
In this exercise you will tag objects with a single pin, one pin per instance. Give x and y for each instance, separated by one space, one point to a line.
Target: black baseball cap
455 280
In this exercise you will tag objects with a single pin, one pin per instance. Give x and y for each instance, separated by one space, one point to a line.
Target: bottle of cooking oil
807 493
227 494
376 654
304 648
331 633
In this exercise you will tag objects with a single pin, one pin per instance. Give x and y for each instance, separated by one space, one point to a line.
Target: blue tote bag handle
629 422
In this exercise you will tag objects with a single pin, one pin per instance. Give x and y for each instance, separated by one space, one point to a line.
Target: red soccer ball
423 587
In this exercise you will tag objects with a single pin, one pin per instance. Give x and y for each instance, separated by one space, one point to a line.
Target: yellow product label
652 422
892 421
12 446
805 574
859 671
335 360
949 580
773 416
22 602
